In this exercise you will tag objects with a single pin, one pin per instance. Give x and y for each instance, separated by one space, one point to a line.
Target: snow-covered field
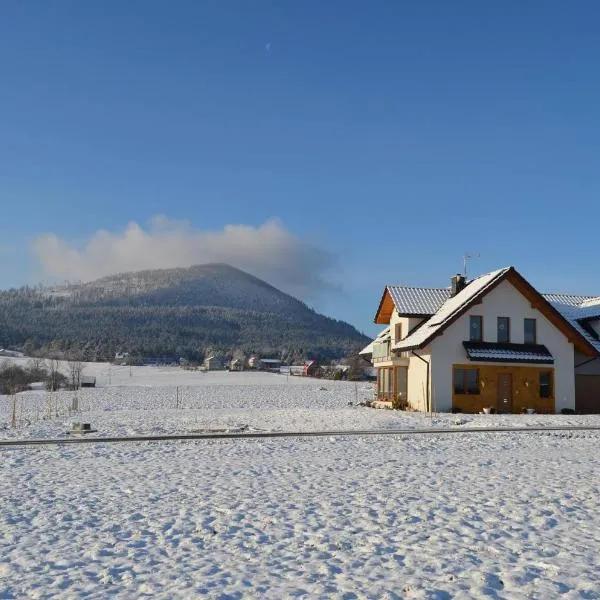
159 400
494 515
471 516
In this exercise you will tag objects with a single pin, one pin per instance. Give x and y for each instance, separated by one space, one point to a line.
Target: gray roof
437 304
575 315
418 300
452 305
567 299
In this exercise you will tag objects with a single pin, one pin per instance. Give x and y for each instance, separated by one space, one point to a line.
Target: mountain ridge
184 312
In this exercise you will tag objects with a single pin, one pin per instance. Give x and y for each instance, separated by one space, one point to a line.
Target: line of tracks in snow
290 434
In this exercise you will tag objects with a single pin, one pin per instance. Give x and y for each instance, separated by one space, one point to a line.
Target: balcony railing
382 352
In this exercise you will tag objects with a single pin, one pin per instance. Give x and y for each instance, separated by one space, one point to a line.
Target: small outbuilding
269 364
236 365
214 363
311 369
88 381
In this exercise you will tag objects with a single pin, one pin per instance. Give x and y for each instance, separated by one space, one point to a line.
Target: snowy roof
530 353
442 308
574 315
417 300
270 360
449 309
567 299
591 302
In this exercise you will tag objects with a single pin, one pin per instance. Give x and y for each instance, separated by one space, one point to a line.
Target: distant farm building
214 363
311 369
236 365
88 381
269 364
296 370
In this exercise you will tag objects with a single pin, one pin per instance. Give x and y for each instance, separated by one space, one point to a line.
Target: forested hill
171 312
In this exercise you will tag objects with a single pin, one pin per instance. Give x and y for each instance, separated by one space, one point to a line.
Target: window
398 332
546 384
476 328
466 381
386 382
503 330
530 335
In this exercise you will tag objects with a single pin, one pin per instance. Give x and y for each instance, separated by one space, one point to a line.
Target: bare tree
55 377
75 371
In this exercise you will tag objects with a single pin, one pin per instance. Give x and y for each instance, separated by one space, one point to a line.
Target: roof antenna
466 258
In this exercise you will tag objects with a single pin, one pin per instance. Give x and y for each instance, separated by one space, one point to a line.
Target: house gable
385 309
474 294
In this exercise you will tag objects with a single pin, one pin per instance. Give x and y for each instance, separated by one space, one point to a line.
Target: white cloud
269 251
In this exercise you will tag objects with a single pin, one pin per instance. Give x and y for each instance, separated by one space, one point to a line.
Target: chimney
457 284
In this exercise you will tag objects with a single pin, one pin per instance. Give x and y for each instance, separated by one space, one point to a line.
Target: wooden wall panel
525 389
587 394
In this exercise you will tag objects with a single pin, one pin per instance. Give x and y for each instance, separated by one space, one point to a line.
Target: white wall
503 301
408 324
417 369
417 380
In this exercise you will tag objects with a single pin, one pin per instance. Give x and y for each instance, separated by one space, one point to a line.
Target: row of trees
55 374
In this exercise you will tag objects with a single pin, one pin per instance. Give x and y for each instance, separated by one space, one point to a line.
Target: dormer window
476 328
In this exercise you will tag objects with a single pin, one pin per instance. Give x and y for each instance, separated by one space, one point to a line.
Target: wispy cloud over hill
268 251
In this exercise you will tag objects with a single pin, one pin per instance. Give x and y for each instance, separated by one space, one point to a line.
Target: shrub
399 404
13 378
567 411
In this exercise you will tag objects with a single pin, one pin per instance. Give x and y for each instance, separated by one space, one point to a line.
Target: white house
493 342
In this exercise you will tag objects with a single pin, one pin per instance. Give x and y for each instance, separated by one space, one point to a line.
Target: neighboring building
493 342
311 369
254 362
295 370
269 364
236 365
214 363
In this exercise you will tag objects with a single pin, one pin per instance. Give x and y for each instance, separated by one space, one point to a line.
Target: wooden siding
385 310
587 394
525 389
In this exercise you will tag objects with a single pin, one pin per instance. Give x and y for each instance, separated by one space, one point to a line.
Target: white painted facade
418 392
503 301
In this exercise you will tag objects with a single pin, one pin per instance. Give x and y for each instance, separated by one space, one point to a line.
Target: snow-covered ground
496 515
158 400
462 516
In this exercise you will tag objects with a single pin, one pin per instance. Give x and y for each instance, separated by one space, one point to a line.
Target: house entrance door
505 400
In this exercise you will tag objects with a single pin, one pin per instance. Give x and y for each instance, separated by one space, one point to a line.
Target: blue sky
387 138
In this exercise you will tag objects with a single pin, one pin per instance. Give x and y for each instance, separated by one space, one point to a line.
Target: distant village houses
214 363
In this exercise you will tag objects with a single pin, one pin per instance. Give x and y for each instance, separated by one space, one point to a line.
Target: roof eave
379 320
550 312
